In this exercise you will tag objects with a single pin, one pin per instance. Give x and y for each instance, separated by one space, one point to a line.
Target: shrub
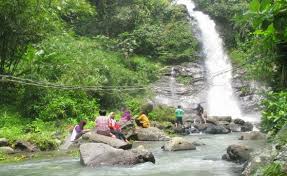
274 169
274 115
44 140
162 113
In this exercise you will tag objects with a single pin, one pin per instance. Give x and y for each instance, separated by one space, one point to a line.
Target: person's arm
140 117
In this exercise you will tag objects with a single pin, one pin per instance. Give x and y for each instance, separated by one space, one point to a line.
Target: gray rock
258 159
239 121
220 118
192 129
234 127
179 130
202 127
223 123
177 144
253 135
97 138
25 146
216 129
97 154
7 150
150 134
237 153
3 142
247 127
148 107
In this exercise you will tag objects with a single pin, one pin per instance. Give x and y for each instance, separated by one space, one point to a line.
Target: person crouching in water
143 121
179 112
78 131
102 124
116 128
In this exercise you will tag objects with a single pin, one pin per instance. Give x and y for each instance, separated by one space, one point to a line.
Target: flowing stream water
205 160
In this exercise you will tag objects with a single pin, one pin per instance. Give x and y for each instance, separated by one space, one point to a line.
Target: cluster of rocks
240 153
255 160
272 153
18 146
98 150
215 125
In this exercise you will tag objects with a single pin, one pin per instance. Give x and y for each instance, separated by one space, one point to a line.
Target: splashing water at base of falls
220 100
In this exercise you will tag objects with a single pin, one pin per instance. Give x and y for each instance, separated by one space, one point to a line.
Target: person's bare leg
203 118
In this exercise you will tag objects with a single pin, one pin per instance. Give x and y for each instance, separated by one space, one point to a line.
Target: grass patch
185 80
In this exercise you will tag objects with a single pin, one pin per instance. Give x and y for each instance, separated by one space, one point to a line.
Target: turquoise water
205 161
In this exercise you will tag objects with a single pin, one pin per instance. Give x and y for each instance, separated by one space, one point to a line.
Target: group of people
108 126
179 112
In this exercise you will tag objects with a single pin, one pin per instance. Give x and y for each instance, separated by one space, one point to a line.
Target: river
204 161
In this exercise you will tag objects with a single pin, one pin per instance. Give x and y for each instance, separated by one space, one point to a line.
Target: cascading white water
220 100
172 83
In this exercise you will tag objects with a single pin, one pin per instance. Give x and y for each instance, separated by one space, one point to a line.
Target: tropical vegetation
62 61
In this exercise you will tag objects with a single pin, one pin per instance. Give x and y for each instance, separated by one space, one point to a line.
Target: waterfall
220 99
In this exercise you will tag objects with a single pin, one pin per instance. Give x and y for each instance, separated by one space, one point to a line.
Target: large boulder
224 124
3 142
192 129
177 144
179 129
6 150
234 127
220 118
147 107
237 153
253 135
216 129
97 138
259 158
239 121
25 146
97 154
247 127
150 134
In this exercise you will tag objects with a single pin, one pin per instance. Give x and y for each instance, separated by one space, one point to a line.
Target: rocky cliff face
181 85
249 92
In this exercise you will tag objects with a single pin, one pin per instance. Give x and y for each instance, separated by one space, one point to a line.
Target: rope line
45 84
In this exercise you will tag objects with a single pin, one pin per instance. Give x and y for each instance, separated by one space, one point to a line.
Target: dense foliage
274 111
71 58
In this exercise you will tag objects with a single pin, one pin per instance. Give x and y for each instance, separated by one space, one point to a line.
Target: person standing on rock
143 120
102 124
179 112
200 112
